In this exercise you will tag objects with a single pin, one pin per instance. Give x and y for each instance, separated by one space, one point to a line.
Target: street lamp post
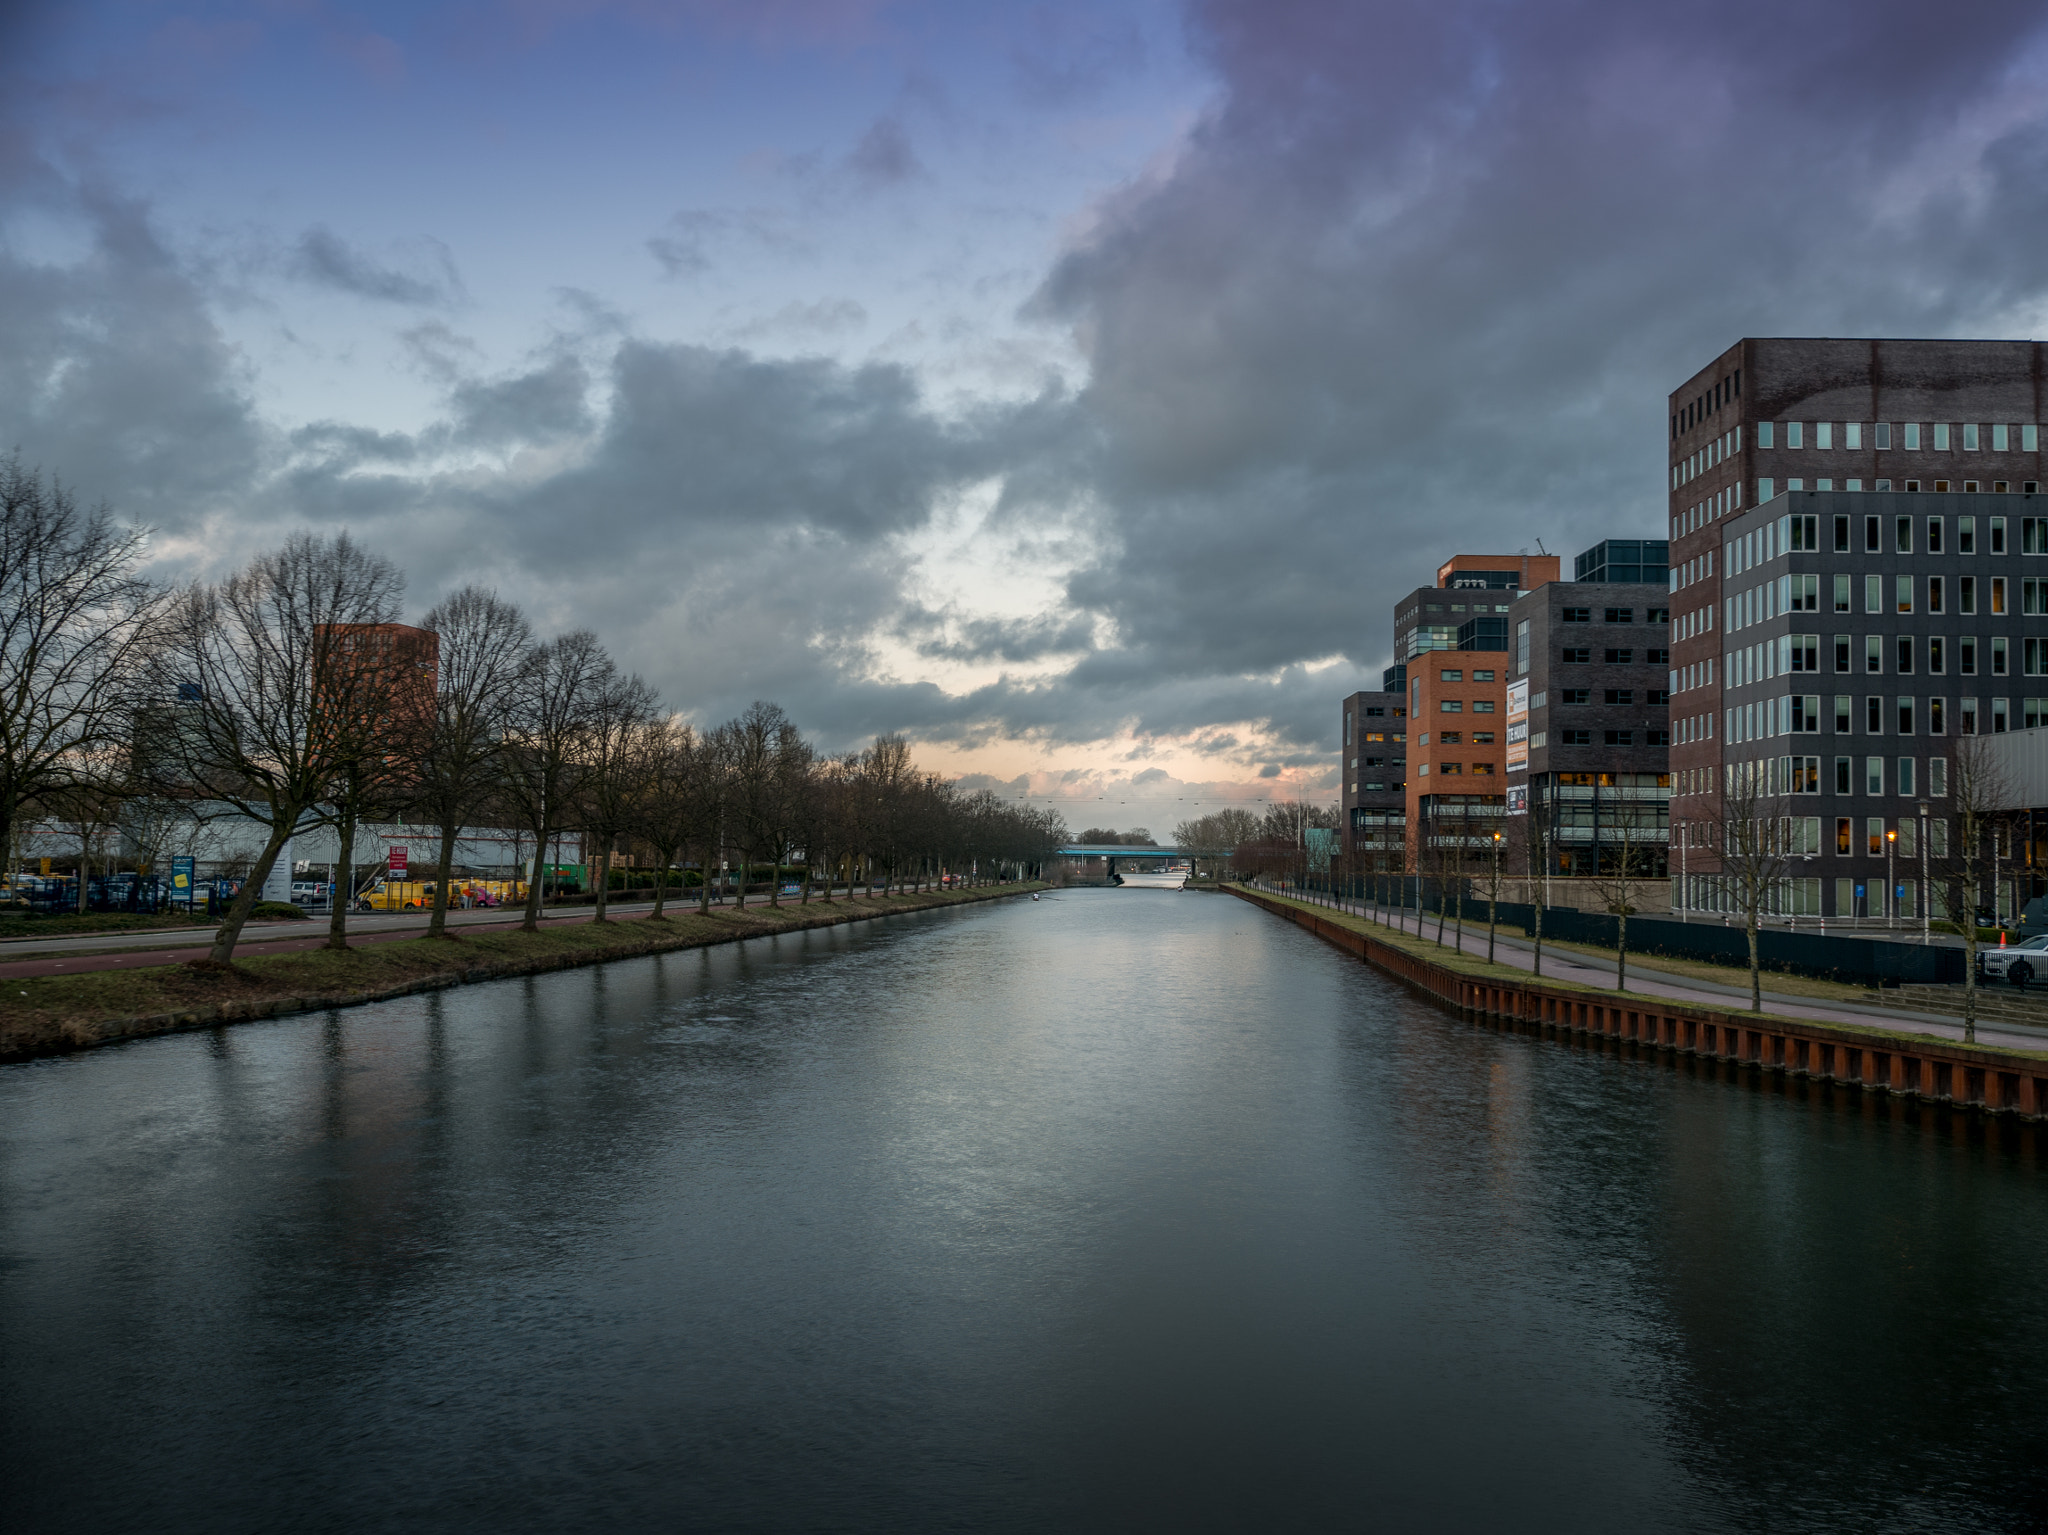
1493 898
1926 895
1891 887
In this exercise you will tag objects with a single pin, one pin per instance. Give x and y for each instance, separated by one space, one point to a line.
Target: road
78 953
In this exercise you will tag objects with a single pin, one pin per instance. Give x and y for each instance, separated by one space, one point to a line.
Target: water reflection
1129 1209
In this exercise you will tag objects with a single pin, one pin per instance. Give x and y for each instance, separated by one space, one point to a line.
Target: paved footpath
74 954
1589 970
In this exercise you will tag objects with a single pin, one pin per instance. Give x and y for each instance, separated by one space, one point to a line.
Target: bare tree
263 692
614 758
1980 795
546 727
380 680
675 805
1757 841
77 626
483 642
1620 864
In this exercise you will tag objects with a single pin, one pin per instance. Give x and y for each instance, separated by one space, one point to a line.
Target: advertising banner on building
1518 799
1518 726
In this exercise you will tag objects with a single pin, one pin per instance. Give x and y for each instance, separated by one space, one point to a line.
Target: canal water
1129 1209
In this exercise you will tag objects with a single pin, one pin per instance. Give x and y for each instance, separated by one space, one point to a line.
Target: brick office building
1457 749
1591 667
1843 418
1375 782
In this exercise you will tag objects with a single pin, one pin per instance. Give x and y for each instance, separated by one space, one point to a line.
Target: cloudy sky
1072 386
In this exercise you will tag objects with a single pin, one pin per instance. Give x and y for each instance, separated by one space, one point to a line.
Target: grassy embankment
47 1014
1476 967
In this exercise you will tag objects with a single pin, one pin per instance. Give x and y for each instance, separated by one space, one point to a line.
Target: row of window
1582 655
1801 714
1898 594
1910 436
1616 615
1457 769
1483 674
1457 705
1726 391
1718 505
1693 465
1767 489
1975 655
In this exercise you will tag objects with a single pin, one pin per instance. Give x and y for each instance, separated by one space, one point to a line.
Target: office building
1457 713
1861 635
1831 421
1375 781
1589 724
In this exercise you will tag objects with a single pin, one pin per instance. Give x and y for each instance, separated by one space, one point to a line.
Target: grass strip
44 1015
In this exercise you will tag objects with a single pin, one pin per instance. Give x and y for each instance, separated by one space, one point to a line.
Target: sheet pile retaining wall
1937 1071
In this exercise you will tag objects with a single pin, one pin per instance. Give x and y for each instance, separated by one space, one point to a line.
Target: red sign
398 863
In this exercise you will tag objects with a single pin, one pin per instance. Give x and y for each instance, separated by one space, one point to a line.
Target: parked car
2018 963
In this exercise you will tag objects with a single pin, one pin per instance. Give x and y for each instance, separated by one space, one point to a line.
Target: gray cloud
1421 277
322 257
883 157
1417 281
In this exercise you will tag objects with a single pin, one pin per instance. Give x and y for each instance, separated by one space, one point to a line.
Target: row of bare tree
288 695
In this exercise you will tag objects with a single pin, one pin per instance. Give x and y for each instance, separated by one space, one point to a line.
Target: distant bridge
1120 850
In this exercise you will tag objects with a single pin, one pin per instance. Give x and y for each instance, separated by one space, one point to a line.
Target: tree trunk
1537 968
604 887
666 856
1621 947
337 914
437 924
740 904
775 875
1756 984
704 884
223 950
535 892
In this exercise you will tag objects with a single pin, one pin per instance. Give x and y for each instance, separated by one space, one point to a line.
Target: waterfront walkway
1597 970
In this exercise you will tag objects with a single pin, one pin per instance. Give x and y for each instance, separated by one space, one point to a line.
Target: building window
1998 666
1905 777
1966 594
1937 777
1522 648
1576 655
1621 615
1656 738
1451 706
1795 434
1842 653
1905 724
1935 594
1905 655
1941 436
1873 781
1765 434
1873 653
1966 655
1873 594
1902 592
1845 771
1873 715
1621 695
1844 594
1483 676
1615 657
1845 835
1576 737
1482 706
1451 676
1656 655
1621 738
1966 535
1969 446
1937 654
1997 534
1578 615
